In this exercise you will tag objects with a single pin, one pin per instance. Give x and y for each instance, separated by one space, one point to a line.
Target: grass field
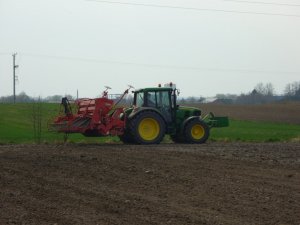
257 131
16 126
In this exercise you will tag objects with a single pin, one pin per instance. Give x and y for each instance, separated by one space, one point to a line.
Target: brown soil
215 183
278 112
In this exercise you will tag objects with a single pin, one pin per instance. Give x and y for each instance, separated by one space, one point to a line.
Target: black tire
196 132
177 139
126 138
147 128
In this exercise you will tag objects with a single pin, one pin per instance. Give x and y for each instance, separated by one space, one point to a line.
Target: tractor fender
139 110
187 120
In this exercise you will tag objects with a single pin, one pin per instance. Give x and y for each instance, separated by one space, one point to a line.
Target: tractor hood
188 108
186 111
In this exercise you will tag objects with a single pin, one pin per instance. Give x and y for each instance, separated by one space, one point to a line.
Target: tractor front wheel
147 128
196 132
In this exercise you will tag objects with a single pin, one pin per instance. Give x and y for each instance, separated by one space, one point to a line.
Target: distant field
288 113
264 123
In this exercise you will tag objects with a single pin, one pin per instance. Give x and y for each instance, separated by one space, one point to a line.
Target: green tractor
155 113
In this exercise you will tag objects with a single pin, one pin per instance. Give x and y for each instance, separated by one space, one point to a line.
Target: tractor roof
154 89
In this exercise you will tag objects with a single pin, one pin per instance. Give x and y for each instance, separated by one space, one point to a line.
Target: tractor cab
156 98
164 100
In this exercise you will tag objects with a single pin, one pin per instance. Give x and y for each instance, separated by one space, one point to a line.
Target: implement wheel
196 132
147 128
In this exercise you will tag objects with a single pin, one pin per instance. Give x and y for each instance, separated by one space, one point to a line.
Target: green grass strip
256 131
16 126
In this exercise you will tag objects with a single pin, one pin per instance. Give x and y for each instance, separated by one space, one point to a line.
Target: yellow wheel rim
197 132
149 129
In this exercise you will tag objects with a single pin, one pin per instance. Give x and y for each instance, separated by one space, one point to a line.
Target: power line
160 65
263 3
195 9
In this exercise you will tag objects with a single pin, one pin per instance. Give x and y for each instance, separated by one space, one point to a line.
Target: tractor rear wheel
196 132
126 138
147 128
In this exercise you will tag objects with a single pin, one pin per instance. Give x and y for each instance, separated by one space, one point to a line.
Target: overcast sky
65 45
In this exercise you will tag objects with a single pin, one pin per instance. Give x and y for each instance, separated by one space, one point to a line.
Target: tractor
153 114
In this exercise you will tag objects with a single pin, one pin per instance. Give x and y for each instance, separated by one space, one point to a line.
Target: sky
206 47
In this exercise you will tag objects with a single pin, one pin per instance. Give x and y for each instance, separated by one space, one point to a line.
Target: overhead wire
192 8
262 3
159 65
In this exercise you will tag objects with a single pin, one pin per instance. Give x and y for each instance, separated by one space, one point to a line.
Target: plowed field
215 183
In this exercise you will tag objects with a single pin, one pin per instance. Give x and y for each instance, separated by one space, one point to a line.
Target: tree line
262 93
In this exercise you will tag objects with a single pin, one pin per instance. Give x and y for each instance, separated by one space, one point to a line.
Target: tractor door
162 101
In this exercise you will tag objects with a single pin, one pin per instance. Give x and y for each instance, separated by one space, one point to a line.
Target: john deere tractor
155 113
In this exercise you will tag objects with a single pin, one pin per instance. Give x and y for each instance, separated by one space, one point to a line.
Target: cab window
151 99
139 101
163 99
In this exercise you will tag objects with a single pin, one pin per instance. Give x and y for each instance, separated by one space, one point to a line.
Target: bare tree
269 89
292 91
37 120
265 89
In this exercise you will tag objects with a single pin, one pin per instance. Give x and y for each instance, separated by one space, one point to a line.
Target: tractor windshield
139 99
163 99
151 99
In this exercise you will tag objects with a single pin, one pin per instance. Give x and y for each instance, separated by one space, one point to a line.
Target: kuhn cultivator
94 118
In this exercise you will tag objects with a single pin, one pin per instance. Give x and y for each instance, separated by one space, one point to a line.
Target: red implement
94 118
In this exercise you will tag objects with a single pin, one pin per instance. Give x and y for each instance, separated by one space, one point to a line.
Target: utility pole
14 75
